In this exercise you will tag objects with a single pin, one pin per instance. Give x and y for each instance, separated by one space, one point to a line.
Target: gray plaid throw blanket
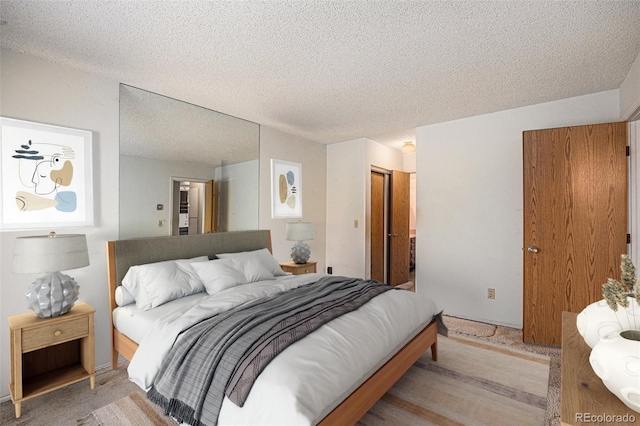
225 353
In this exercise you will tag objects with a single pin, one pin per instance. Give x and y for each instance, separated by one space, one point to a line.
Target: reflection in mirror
183 168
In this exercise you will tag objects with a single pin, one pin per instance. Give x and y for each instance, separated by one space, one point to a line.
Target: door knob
532 249
393 235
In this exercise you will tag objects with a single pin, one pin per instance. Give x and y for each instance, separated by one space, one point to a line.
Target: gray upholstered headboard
122 254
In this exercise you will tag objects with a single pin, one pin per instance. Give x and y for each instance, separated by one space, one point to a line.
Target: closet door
575 221
399 246
378 227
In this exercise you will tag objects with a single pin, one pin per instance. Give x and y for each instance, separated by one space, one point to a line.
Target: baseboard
484 320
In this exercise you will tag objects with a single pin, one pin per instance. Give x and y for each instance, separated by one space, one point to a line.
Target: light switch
355 223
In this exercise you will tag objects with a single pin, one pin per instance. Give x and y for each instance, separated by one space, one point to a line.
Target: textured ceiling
332 71
162 128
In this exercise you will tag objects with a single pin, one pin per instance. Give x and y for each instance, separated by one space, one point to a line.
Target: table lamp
54 293
300 231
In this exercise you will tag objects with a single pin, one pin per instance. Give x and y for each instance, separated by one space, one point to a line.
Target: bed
346 406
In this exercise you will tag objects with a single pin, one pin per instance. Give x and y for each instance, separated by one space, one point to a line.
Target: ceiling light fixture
408 147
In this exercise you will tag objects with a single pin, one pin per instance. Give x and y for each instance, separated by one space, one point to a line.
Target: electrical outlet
491 293
329 270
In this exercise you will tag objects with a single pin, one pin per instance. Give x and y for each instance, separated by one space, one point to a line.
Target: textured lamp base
300 252
52 295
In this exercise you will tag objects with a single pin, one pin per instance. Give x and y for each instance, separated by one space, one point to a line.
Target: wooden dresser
583 395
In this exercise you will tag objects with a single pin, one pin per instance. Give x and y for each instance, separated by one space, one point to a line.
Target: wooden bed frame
122 254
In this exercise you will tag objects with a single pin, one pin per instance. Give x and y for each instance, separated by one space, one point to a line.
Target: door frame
388 223
634 190
174 200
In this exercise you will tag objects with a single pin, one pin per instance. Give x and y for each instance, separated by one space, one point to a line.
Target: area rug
512 337
133 410
470 328
472 383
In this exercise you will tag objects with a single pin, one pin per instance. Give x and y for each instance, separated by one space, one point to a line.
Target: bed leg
434 351
114 359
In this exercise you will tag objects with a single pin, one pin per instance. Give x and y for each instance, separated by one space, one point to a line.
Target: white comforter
311 377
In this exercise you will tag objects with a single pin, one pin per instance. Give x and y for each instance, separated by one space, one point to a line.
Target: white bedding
134 322
309 378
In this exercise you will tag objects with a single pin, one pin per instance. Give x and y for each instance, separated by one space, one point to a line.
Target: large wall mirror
184 169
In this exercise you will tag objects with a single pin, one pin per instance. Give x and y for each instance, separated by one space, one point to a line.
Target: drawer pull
57 333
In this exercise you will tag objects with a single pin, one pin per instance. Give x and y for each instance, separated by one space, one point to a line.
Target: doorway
389 234
193 207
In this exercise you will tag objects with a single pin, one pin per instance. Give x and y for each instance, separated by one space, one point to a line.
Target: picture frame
286 189
46 176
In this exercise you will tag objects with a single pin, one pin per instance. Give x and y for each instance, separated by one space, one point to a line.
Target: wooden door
209 207
377 255
575 221
399 249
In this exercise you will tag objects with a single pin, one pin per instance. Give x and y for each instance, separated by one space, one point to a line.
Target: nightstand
299 268
50 353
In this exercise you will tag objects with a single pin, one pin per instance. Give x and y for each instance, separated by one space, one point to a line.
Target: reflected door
209 207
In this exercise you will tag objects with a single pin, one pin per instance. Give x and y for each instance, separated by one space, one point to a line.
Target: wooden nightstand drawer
55 333
307 269
299 268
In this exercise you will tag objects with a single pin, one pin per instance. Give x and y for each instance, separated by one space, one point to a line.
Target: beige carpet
473 383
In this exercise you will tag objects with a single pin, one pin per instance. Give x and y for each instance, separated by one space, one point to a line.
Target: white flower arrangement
618 293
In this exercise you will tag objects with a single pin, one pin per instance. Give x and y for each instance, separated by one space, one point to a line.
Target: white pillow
219 274
253 271
131 280
262 256
123 297
154 284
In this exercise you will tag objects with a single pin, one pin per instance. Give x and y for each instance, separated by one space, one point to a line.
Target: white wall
630 92
275 144
409 162
40 91
346 186
238 190
349 199
412 203
469 204
149 182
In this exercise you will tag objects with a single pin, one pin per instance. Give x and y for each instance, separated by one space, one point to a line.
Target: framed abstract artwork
46 176
286 189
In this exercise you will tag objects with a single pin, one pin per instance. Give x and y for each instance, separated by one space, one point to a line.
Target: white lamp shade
300 231
44 253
